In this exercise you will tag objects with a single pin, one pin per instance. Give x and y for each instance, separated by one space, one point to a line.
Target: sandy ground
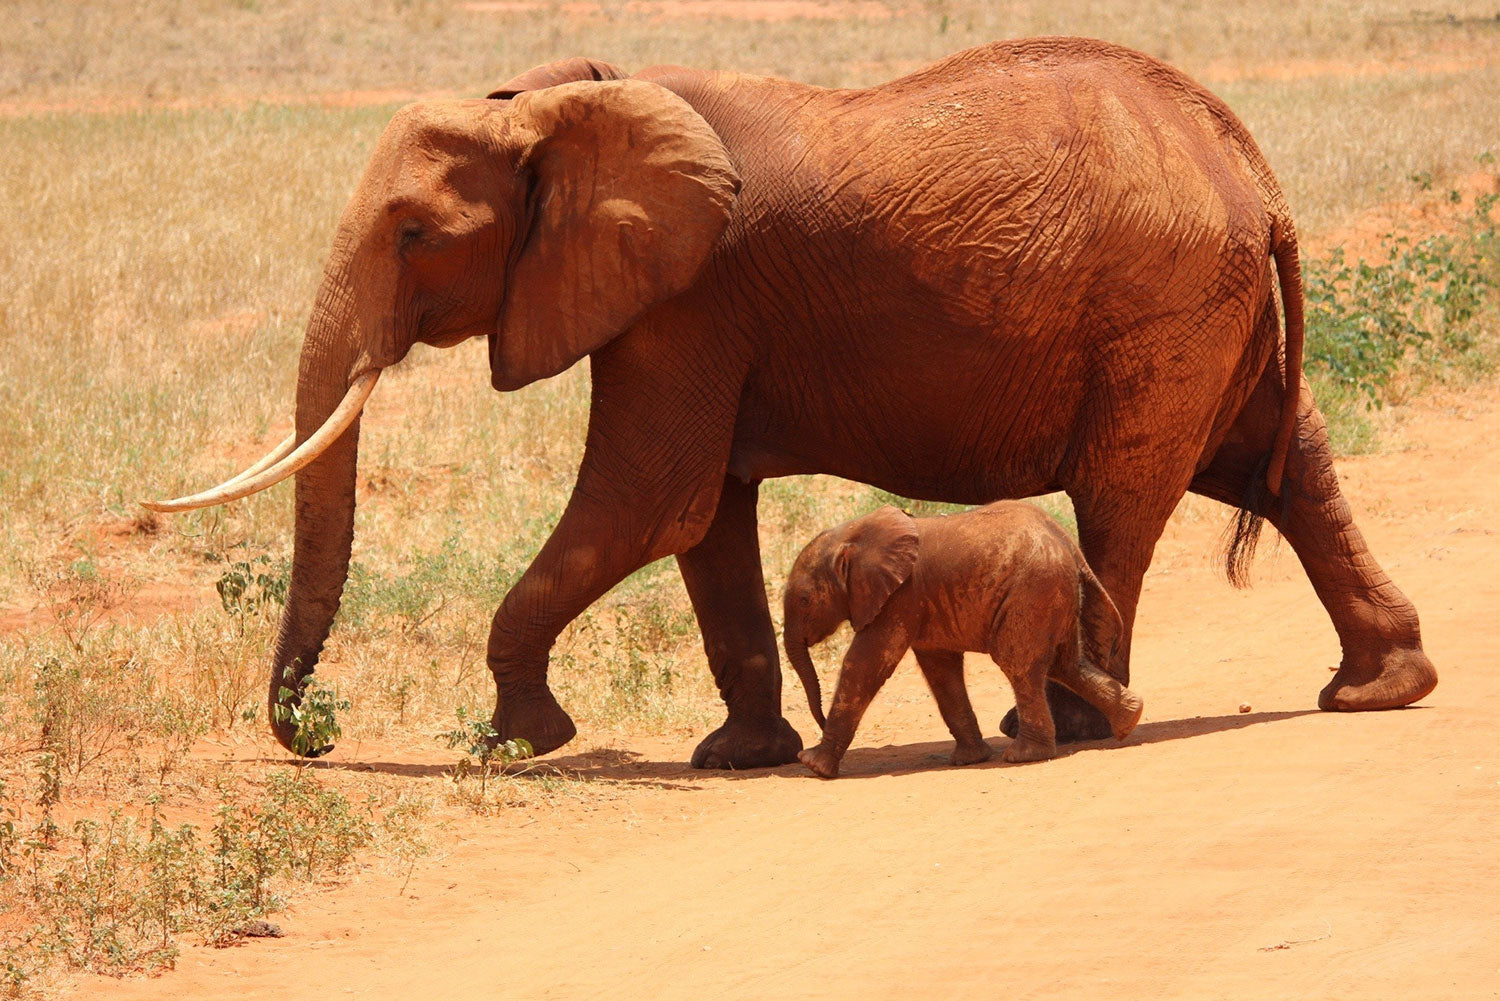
1276 853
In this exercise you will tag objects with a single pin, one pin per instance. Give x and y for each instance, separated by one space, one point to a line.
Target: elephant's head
548 223
846 573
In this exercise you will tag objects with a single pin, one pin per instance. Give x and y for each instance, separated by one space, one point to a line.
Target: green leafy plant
314 717
1414 306
245 588
117 895
484 752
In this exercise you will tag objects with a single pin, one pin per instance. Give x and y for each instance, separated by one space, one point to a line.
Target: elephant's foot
739 744
971 754
821 761
1074 718
1126 713
1024 749
535 718
1393 678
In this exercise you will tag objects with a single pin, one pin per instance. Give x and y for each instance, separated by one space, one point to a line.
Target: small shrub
401 838
1414 309
484 752
76 595
315 718
245 589
116 896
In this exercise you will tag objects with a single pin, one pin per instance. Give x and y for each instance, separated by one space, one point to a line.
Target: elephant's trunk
324 497
801 660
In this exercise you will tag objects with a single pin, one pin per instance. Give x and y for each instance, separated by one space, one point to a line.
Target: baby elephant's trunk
796 652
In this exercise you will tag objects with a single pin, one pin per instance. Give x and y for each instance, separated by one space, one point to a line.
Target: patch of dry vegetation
160 268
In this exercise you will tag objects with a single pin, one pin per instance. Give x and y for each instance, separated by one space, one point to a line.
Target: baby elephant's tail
1100 621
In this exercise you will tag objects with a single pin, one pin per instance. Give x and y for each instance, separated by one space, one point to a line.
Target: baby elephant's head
848 572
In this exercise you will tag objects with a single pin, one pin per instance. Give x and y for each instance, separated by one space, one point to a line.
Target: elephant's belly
935 430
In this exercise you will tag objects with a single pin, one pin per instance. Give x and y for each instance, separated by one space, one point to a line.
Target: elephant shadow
612 766
906 759
616 766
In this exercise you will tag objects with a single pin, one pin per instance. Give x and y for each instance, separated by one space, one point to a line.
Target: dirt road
1280 853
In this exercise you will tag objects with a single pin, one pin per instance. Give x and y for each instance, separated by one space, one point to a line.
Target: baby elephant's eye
804 600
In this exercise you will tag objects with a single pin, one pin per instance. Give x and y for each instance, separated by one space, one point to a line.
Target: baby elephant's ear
878 558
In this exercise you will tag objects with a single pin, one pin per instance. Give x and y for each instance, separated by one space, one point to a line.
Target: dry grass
162 261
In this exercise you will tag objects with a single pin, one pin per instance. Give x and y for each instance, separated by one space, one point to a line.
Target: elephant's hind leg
944 671
1119 523
723 578
1027 657
1383 665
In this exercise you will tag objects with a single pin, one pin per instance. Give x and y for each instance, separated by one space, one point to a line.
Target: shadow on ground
629 768
909 759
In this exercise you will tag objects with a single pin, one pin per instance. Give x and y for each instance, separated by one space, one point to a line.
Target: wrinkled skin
1002 579
1036 265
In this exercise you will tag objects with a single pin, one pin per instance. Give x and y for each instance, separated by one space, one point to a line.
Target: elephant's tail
1289 277
1100 622
1266 479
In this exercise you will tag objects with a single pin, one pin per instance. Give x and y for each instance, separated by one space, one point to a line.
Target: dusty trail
1278 853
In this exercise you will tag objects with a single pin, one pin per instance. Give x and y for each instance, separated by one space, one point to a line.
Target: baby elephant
1003 579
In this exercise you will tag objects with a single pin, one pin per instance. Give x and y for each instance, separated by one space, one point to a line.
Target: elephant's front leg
648 487
723 578
591 550
868 663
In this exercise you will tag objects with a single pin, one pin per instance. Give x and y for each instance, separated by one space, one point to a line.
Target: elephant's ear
878 558
629 191
553 73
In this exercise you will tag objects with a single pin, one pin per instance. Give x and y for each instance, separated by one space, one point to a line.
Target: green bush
114 896
1418 310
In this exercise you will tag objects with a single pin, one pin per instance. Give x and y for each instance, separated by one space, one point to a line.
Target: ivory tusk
252 481
275 455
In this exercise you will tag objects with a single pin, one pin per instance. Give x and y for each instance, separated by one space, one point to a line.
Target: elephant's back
1046 153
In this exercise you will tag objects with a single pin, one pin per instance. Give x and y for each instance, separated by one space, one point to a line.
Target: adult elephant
1036 265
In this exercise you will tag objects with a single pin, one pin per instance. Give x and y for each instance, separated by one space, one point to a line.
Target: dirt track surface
1279 853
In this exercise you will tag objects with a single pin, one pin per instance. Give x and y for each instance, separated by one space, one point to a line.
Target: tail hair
1243 534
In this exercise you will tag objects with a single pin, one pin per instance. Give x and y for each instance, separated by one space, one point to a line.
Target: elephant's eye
804 600
408 234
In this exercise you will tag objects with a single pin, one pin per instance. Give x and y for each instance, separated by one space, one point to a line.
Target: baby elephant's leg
868 662
1026 661
1120 705
944 671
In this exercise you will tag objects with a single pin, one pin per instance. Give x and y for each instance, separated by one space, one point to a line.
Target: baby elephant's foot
1126 714
821 761
970 754
1023 749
